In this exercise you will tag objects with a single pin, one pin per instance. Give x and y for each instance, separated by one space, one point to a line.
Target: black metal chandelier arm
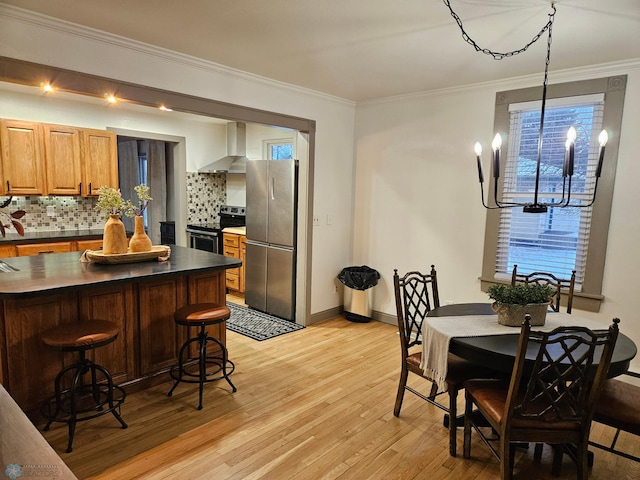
497 204
499 55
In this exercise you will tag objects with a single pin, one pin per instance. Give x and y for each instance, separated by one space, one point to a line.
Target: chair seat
201 314
492 396
81 335
619 406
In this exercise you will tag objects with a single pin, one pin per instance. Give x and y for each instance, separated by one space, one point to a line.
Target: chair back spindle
416 295
559 285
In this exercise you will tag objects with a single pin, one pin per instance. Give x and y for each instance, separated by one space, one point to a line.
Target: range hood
235 161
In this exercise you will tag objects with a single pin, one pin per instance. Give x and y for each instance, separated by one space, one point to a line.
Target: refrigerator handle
273 187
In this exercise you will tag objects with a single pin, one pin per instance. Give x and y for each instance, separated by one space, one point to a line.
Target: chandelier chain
500 55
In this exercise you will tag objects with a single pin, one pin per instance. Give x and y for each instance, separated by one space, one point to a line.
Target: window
555 242
279 150
562 239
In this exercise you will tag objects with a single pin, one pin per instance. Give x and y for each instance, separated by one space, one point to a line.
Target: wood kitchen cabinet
62 159
7 251
22 158
99 161
235 246
46 159
42 248
82 245
27 249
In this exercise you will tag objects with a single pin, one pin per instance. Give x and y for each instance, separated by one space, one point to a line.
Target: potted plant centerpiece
140 241
111 205
512 302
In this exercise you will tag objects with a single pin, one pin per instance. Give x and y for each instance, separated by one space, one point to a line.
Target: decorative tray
156 252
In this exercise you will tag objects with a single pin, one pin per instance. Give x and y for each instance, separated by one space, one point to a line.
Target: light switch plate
51 211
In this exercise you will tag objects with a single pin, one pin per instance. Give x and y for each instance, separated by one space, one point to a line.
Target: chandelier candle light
536 206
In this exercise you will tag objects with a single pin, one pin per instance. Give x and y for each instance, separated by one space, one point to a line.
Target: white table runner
438 331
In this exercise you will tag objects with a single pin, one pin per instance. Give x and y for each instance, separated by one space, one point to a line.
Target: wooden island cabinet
48 290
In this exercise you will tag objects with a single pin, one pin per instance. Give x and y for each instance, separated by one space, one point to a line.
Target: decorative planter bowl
512 315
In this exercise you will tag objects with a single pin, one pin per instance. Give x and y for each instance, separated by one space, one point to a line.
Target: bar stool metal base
223 366
80 401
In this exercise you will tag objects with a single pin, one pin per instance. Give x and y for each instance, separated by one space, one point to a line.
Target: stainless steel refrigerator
271 236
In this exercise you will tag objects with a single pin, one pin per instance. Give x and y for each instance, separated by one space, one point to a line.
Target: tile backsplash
69 213
205 194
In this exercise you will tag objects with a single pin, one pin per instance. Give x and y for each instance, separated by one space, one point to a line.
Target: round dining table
499 351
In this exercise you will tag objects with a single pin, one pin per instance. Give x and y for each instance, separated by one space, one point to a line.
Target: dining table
471 331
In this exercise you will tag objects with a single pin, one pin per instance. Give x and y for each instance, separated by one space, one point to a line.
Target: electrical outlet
335 288
316 221
329 219
51 211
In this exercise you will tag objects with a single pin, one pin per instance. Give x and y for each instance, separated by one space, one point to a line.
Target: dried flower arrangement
11 219
110 201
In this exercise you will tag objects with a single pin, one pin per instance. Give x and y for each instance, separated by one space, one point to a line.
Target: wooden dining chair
416 294
559 285
551 401
619 407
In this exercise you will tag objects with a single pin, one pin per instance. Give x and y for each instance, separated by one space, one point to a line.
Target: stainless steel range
208 236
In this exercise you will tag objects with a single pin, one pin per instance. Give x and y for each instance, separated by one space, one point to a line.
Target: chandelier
537 206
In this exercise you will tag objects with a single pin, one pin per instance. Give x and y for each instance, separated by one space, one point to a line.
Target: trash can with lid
358 292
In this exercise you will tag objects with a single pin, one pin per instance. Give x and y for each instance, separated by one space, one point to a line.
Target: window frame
614 87
268 143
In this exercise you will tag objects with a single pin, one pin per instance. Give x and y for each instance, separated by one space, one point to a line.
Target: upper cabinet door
62 151
100 161
22 158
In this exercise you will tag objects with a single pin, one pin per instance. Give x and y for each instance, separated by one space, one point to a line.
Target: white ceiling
366 49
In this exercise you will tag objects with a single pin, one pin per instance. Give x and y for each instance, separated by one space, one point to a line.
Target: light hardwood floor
313 404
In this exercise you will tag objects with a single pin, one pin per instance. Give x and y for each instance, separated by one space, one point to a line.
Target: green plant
520 293
110 201
11 219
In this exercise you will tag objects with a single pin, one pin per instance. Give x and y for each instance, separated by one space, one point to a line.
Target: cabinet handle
80 188
45 251
8 187
90 189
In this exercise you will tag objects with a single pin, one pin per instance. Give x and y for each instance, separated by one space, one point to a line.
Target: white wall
30 37
417 198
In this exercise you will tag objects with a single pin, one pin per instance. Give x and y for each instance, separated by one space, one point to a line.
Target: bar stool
82 401
201 315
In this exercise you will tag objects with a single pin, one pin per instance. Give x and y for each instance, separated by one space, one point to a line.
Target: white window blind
554 242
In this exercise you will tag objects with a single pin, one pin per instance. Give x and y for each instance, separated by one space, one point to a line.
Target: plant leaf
18 226
2 229
6 202
18 214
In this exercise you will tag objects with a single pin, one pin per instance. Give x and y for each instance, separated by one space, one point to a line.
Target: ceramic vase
114 238
140 241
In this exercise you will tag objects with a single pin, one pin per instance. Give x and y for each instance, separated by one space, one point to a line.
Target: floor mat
257 325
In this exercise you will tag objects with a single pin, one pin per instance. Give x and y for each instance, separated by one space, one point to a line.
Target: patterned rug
257 325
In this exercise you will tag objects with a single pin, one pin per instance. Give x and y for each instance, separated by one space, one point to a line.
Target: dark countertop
50 236
57 272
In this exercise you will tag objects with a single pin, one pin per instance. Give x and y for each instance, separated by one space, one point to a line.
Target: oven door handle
195 233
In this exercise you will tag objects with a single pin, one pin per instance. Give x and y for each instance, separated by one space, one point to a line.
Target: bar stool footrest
58 410
195 376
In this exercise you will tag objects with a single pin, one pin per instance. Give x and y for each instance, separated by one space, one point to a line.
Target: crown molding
85 33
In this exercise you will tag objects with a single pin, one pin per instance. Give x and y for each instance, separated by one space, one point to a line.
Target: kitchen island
40 292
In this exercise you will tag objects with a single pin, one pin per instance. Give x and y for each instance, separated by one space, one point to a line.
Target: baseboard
337 311
385 318
325 315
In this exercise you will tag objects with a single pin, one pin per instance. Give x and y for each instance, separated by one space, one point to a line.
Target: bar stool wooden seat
82 400
201 315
